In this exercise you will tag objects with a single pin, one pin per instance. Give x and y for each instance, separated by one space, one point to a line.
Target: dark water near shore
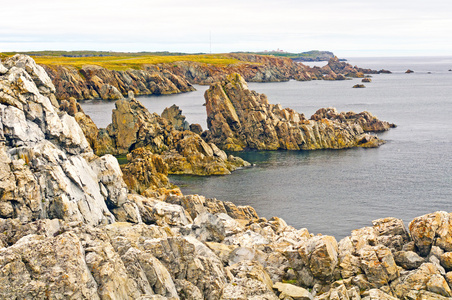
335 191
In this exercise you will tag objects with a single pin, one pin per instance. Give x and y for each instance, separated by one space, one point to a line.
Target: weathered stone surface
239 118
184 152
59 235
432 229
145 172
408 260
378 264
446 260
320 255
174 115
376 294
35 267
414 280
295 292
94 82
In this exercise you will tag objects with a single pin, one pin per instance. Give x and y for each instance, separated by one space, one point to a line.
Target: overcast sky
347 27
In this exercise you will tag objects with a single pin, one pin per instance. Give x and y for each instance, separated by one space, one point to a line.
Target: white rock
3 70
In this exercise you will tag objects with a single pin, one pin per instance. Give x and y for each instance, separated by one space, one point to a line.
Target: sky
347 28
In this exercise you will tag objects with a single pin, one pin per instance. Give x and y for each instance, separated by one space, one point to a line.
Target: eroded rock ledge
94 82
239 118
69 228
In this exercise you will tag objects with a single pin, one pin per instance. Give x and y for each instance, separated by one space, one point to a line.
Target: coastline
83 235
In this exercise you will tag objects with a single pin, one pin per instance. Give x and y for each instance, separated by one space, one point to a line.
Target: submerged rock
359 86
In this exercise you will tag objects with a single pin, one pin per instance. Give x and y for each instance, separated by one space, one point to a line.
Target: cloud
137 25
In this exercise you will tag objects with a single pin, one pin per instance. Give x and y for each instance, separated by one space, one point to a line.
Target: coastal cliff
239 119
90 81
71 229
94 82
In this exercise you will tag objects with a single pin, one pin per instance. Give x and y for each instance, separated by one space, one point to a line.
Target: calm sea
335 191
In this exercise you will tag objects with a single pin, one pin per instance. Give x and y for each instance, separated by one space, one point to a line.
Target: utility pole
210 41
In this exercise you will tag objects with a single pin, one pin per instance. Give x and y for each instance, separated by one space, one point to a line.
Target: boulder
319 254
429 229
408 260
292 291
359 86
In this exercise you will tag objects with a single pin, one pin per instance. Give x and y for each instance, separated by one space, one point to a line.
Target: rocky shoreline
71 227
95 82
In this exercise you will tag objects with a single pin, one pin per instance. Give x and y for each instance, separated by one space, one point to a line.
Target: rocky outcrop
184 152
146 174
70 229
94 82
367 121
340 70
175 117
239 118
48 167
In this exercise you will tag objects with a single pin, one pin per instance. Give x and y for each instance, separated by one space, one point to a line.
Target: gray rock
408 260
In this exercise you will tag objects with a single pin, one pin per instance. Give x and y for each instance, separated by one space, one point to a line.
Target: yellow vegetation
121 63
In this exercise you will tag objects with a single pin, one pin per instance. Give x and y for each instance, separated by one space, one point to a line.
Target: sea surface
335 191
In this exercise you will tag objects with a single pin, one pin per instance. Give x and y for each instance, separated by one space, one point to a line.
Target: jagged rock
378 264
49 155
154 211
174 115
247 288
208 227
239 118
432 228
184 152
409 71
146 172
320 255
366 80
196 128
94 82
366 120
414 280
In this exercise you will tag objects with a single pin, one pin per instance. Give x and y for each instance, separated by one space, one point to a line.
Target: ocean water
335 191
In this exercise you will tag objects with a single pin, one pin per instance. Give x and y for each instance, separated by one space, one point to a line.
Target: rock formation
175 117
239 118
94 82
69 228
185 152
